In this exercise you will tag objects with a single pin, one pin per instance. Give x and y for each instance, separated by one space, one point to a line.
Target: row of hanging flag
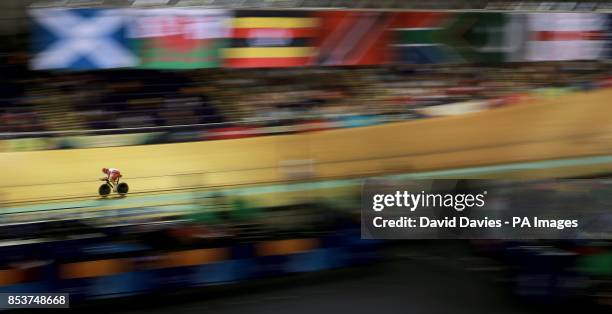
181 38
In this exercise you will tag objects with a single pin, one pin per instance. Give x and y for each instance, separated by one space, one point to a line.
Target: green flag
180 39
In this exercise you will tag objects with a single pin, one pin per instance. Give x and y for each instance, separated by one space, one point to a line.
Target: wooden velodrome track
573 126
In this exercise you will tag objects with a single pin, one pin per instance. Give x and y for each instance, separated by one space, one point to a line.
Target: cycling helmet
105 170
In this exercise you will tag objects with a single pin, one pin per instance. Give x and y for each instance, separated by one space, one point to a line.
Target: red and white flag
566 36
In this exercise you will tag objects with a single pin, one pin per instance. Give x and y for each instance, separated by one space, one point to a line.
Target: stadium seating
145 101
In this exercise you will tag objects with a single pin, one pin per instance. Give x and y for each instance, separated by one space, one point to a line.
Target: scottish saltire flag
80 39
178 38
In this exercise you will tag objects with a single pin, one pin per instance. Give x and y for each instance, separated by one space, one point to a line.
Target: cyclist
112 175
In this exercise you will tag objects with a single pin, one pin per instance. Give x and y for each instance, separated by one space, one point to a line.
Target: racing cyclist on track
112 175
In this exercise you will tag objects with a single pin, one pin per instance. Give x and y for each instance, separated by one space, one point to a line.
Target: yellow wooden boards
571 126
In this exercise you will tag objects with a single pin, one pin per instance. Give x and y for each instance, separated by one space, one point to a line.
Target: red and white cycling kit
113 174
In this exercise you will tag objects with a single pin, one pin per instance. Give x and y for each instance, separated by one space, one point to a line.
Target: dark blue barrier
143 271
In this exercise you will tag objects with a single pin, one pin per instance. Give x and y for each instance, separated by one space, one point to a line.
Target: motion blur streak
247 137
562 132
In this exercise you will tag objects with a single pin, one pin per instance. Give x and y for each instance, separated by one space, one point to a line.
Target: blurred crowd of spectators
18 104
134 99
401 92
39 101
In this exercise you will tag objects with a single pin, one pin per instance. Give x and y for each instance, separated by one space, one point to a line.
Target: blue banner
80 39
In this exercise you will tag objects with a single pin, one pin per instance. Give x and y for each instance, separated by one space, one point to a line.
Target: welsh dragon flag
178 38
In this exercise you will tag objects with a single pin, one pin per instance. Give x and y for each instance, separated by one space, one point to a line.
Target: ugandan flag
270 39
